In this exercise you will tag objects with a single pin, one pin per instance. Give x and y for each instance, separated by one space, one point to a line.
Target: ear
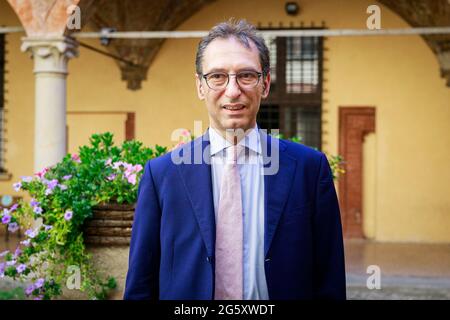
266 86
200 88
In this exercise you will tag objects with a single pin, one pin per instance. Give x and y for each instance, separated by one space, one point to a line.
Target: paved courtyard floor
407 270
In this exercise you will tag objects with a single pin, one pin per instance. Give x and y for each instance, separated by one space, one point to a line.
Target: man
256 217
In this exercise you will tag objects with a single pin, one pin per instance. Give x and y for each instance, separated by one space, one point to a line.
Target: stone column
50 57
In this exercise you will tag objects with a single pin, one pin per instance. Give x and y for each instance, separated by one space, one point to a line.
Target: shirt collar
219 143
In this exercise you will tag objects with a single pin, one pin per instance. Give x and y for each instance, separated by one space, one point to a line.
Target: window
302 65
294 104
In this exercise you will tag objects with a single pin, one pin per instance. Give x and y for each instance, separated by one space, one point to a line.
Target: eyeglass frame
204 76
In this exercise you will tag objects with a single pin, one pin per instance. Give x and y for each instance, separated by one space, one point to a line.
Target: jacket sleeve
329 265
142 282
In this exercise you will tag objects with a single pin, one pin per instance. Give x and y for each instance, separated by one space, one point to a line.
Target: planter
110 225
107 237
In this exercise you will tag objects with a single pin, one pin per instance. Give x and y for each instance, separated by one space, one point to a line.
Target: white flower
17 186
26 243
10 263
27 179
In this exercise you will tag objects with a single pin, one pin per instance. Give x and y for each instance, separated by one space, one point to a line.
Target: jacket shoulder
300 151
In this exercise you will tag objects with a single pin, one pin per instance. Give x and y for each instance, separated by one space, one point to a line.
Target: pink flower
13 207
111 177
108 162
76 158
67 177
41 173
128 173
132 179
130 170
116 165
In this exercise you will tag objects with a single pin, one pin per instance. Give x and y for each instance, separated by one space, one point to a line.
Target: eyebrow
225 71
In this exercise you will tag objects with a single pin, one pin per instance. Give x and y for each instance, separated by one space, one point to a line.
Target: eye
247 75
217 76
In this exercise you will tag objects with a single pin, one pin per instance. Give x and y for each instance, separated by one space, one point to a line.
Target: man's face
230 56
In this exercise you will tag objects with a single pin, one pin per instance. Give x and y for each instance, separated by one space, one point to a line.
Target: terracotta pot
107 237
110 225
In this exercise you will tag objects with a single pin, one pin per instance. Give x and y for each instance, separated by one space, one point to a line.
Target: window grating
294 104
302 65
272 46
304 123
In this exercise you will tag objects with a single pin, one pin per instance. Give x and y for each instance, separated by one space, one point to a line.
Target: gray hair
243 32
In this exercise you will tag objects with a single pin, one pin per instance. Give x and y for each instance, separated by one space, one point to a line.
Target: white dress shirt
250 164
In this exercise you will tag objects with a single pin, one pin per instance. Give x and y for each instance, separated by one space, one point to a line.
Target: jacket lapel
279 171
196 177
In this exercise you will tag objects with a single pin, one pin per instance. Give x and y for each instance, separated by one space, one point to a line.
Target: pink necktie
229 232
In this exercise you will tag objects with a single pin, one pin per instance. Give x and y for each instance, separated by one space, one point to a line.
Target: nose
232 90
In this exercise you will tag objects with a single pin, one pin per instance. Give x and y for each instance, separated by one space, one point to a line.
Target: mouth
233 107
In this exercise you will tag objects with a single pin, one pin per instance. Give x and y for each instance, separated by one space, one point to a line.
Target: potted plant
61 215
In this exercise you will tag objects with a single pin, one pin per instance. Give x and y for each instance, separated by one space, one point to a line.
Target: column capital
50 54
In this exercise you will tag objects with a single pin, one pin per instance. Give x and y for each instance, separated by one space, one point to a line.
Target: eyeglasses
220 80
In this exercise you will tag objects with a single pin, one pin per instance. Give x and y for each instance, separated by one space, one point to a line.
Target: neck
233 135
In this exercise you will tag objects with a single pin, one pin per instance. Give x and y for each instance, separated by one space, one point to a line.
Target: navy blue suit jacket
172 243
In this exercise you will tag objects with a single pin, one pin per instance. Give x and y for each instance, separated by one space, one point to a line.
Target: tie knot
233 153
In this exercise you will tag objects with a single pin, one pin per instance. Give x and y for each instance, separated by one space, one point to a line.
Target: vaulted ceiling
162 15
428 13
141 15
